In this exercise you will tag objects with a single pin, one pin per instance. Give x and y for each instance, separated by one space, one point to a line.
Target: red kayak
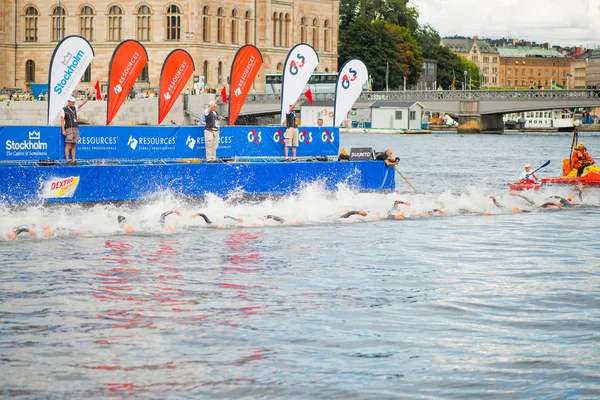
589 179
524 186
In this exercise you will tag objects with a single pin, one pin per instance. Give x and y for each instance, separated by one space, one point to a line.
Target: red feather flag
308 95
224 94
98 94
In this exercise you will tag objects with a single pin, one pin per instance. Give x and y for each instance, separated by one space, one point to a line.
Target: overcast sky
562 22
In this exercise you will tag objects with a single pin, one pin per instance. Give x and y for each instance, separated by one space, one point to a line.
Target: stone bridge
477 110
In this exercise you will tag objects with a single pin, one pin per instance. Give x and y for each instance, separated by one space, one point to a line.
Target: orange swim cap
364 214
12 236
516 210
128 229
399 216
169 228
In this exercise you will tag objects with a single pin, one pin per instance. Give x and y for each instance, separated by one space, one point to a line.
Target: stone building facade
525 67
211 32
481 53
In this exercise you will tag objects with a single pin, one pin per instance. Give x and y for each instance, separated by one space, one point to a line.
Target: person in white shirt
527 176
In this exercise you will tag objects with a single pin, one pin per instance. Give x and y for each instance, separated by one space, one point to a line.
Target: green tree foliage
397 12
379 43
387 31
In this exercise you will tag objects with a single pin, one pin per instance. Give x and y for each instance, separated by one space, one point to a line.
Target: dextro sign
60 187
71 62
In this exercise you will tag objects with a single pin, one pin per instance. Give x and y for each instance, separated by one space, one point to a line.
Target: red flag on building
308 95
98 94
128 60
245 67
224 94
175 74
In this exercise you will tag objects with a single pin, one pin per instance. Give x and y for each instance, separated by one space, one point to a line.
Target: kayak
524 186
589 179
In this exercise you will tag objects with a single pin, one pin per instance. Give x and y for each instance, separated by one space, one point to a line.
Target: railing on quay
458 95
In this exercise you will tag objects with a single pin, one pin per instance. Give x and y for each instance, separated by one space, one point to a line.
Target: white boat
548 119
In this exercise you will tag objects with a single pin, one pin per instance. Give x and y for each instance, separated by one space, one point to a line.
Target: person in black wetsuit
387 158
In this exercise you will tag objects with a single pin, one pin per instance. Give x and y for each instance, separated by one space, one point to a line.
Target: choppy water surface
492 304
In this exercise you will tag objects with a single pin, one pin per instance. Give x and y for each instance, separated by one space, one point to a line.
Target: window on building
530 72
486 70
115 23
523 82
522 72
220 25
486 59
494 80
31 24
508 72
398 116
275 25
220 73
235 26
58 24
279 67
413 115
326 37
87 74
494 70
143 23
315 33
86 23
30 71
495 60
508 81
206 24
539 71
205 72
280 31
173 22
288 22
303 29
475 58
144 76
248 31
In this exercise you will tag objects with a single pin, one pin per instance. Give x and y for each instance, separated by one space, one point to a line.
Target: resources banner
299 66
128 60
168 142
22 143
245 67
69 61
351 78
176 72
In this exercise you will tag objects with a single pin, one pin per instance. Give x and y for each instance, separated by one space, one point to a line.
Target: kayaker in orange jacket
581 158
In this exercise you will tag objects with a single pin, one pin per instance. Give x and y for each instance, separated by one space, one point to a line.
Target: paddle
543 165
406 180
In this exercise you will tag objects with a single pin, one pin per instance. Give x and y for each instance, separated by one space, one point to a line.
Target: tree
379 44
428 39
397 12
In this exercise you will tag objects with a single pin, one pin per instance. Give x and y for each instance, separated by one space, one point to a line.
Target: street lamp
465 84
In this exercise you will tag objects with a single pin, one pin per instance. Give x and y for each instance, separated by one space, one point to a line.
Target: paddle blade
545 164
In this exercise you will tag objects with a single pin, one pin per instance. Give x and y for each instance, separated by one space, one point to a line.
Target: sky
559 22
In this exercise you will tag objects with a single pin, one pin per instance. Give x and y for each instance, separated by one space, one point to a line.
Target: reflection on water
488 303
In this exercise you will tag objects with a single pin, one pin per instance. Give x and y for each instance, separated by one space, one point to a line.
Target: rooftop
465 45
524 51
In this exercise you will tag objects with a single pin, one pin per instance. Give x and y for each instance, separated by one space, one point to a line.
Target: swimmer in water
163 216
274 218
350 213
16 231
204 217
